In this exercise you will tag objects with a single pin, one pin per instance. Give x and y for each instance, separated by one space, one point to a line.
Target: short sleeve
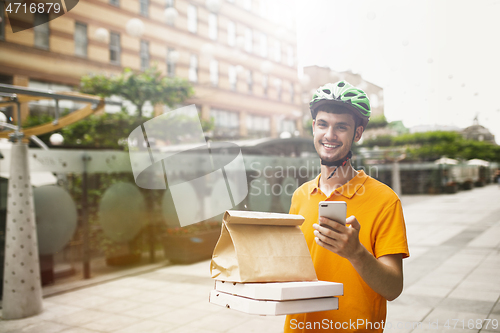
390 232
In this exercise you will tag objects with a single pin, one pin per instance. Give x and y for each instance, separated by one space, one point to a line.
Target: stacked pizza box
277 298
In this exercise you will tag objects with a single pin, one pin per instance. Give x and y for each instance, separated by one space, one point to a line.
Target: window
2 20
292 93
227 123
279 88
291 60
81 39
114 48
214 72
233 77
115 3
277 51
247 4
193 68
171 62
248 40
265 84
263 45
42 31
192 16
231 33
144 7
144 54
258 125
250 81
287 125
231 1
263 8
212 26
169 3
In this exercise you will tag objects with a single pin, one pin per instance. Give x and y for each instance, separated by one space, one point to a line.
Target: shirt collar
348 189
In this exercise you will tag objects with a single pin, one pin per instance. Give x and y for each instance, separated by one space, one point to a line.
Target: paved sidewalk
452 276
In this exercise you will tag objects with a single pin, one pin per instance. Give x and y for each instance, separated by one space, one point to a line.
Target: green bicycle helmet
343 94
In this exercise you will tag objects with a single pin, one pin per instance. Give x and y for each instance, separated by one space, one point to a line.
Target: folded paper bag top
261 247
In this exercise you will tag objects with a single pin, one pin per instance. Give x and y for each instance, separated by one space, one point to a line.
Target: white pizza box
280 291
272 308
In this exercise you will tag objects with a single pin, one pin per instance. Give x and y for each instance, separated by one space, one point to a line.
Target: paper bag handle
247 217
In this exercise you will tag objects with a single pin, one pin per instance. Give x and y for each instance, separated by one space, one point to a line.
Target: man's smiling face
333 134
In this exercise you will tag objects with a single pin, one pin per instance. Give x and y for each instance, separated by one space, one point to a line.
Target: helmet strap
337 164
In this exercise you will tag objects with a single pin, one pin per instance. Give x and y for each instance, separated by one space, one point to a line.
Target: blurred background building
240 55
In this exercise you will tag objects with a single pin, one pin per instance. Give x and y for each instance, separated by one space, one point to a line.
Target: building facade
240 55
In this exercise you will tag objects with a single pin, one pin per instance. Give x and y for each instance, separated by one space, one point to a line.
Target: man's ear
314 122
359 132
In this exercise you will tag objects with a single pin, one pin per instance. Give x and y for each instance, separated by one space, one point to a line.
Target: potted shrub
192 243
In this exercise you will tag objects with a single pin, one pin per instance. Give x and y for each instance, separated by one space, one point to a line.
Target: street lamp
135 27
171 15
102 35
56 139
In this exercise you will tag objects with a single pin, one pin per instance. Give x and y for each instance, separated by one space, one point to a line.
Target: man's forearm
384 275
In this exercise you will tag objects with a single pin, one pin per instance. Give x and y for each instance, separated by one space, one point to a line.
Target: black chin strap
337 163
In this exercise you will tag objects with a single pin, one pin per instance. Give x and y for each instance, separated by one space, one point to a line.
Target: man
366 254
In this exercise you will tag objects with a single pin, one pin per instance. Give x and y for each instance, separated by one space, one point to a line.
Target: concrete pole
22 290
396 179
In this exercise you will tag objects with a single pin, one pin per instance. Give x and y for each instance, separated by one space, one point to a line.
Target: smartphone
334 210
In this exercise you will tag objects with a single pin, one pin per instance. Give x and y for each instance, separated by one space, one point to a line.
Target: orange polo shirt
378 210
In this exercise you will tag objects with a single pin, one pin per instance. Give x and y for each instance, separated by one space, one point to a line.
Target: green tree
432 145
377 122
138 88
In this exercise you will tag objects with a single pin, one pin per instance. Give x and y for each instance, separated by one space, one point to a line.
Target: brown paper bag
261 247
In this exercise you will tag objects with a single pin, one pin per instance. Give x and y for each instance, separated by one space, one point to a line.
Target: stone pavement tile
53 311
147 326
481 308
93 301
132 282
441 235
120 292
428 290
471 284
443 280
179 300
173 287
457 320
274 324
43 327
182 316
151 284
17 324
489 238
474 295
417 300
492 324
147 311
68 298
205 306
192 329
221 321
78 330
496 308
117 306
197 290
111 322
441 329
149 296
407 313
80 317
201 268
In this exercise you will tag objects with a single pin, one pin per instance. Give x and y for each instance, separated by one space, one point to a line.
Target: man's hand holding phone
336 233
